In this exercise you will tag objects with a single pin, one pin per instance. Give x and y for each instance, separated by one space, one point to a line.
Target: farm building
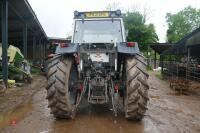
21 28
180 62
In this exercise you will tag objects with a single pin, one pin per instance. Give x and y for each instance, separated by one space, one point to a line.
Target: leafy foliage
138 30
182 23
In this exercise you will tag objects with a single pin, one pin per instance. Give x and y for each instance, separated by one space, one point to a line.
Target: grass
149 68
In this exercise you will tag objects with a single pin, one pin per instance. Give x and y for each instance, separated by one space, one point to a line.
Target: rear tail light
130 44
63 45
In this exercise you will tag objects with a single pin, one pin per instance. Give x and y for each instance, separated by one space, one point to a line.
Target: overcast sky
56 16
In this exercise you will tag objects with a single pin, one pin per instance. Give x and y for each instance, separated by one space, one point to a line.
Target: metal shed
191 42
159 48
187 51
20 27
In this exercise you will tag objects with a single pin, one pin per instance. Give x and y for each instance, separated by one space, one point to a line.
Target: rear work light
63 45
130 44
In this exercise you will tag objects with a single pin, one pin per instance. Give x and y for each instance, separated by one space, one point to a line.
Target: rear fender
124 49
70 49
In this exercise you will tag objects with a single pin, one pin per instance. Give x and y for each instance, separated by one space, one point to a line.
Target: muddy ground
168 112
16 98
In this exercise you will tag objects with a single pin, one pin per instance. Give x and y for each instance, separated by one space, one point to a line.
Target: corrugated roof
191 40
19 13
160 47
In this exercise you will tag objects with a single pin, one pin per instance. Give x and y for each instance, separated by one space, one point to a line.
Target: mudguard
122 48
71 48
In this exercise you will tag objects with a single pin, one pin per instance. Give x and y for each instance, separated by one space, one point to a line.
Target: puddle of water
97 124
13 117
89 119
100 120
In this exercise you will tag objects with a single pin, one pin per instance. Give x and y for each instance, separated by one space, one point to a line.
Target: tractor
99 65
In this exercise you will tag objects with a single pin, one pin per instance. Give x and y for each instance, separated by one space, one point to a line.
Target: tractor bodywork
98 65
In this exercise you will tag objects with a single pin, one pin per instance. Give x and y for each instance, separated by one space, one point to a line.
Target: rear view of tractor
99 66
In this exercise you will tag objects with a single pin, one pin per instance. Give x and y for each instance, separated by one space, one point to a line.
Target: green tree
138 30
182 23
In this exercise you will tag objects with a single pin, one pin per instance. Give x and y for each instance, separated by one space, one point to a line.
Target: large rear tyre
59 94
136 95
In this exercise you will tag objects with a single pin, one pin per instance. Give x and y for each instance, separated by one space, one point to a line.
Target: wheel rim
73 77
